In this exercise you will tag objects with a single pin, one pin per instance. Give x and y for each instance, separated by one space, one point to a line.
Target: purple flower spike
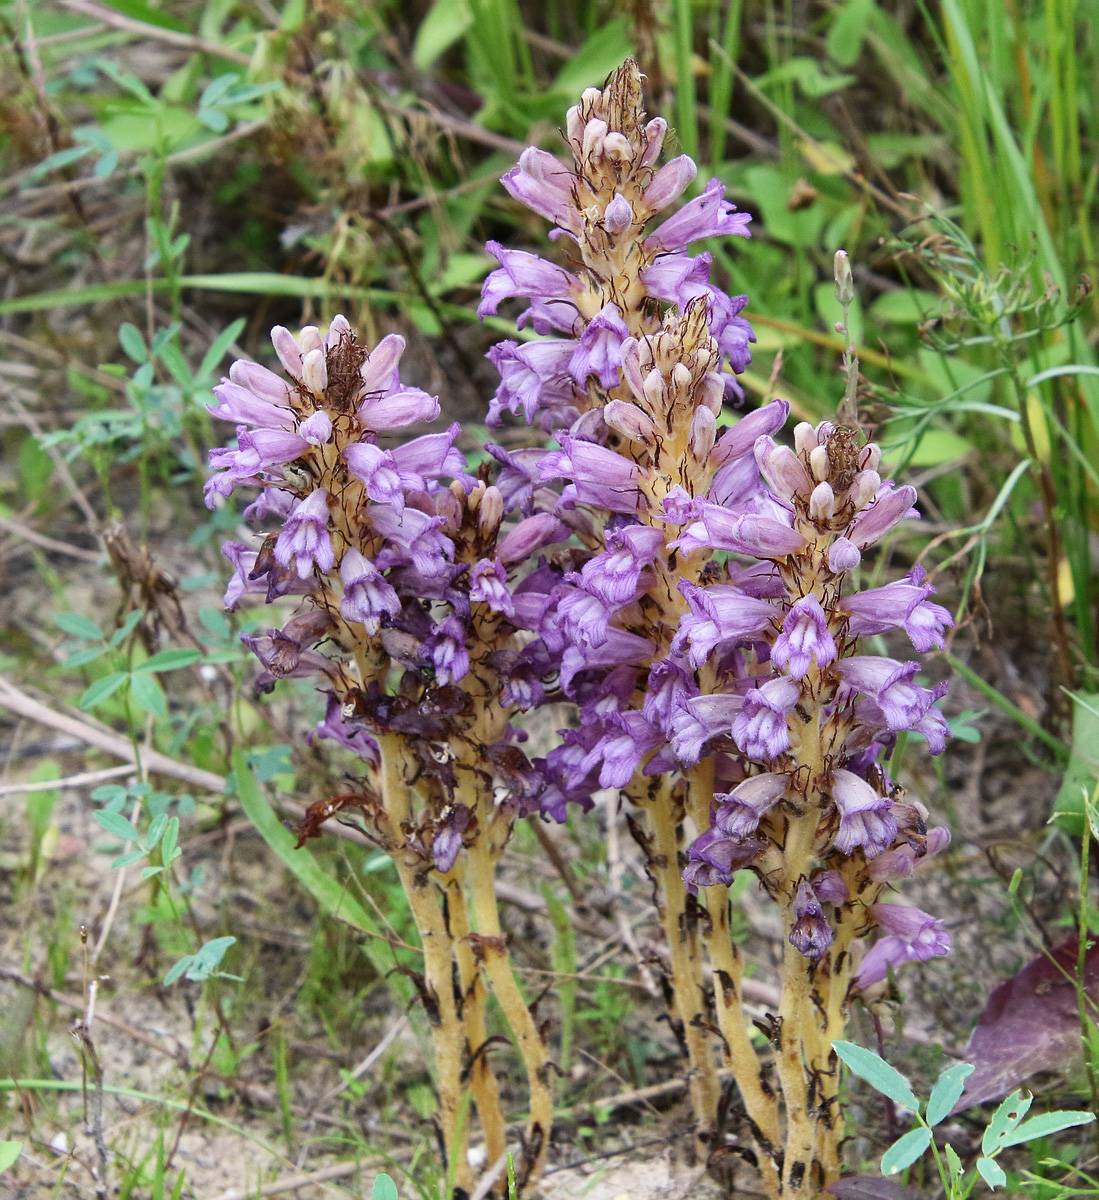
865 817
912 936
305 538
804 637
811 934
546 186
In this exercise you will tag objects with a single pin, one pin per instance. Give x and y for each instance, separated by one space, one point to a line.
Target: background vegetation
175 178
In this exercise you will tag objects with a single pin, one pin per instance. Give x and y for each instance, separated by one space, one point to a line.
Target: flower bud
314 371
822 503
819 463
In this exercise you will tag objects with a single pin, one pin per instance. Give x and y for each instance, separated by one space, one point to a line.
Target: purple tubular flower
628 737
759 729
599 350
257 452
445 651
804 637
830 888
534 378
694 722
367 596
843 555
352 737
531 534
900 605
903 704
488 583
585 617
526 275
810 935
715 858
891 506
304 539
430 552
719 613
669 183
546 186
601 477
743 533
912 936
865 816
739 811
615 575
447 838
619 648
708 215
241 403
740 439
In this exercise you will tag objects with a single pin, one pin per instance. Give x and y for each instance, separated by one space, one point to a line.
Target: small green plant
1006 1128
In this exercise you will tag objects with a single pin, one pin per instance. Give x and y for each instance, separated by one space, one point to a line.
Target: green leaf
844 40
125 860
149 872
219 348
878 1073
156 832
148 695
905 306
953 1163
127 627
446 22
1047 1123
82 657
947 1090
597 57
992 1174
208 958
1004 1120
10 1151
904 1151
169 660
79 626
1080 776
116 824
176 970
131 341
328 892
169 850
102 688
384 1189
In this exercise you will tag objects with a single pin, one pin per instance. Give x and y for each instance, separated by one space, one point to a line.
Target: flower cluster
399 560
675 657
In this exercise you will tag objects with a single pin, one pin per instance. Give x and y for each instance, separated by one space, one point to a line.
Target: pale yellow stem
688 1003
490 947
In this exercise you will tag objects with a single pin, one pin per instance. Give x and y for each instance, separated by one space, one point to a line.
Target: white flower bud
491 510
703 433
805 437
310 339
870 457
314 371
822 503
820 463
630 421
863 489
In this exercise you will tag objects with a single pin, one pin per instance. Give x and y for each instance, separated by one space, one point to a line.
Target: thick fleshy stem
740 1056
448 1033
679 922
490 949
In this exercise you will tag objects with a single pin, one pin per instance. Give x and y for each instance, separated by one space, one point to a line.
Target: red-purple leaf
1031 1023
